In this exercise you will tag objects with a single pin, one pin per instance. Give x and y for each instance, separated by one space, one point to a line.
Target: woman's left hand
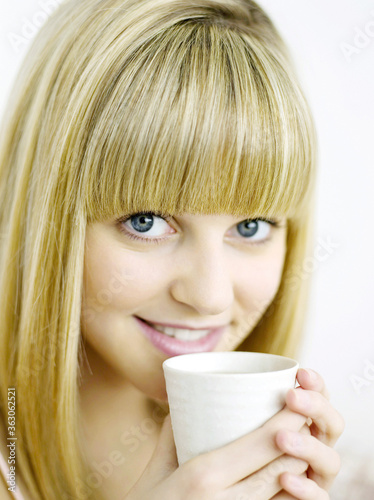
311 399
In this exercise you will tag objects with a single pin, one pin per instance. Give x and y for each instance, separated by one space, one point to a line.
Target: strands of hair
124 106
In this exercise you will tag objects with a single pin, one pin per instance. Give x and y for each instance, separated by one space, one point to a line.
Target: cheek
259 282
119 279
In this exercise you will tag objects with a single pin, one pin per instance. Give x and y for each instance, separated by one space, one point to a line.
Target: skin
202 272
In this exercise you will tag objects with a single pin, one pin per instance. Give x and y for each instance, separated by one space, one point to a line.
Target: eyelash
132 236
276 224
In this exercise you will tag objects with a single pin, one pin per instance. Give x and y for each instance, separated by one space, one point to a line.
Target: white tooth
190 335
167 330
182 334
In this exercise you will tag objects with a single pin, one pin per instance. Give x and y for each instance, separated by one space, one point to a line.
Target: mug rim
170 364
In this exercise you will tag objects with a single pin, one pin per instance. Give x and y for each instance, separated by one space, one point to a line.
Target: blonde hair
126 106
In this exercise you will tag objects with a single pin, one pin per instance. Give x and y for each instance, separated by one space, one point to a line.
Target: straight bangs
201 118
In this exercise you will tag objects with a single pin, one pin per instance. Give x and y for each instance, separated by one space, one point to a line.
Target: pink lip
186 327
175 347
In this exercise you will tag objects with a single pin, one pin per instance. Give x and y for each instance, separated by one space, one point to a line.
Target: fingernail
294 440
295 482
312 374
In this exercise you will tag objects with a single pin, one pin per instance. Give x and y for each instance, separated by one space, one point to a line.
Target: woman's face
209 276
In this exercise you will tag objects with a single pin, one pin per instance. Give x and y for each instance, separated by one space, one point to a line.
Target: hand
246 469
311 399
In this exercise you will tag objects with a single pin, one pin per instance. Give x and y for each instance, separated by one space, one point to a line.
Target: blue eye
146 223
256 230
142 222
149 227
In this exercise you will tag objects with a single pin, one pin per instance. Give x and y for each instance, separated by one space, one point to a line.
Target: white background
339 86
338 80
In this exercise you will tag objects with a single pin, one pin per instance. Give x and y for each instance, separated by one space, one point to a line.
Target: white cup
217 397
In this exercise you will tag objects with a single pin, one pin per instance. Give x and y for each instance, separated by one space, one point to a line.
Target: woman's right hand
246 469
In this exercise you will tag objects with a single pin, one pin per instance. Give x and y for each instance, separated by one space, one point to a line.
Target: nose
204 280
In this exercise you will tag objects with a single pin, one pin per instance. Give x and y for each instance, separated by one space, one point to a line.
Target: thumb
164 460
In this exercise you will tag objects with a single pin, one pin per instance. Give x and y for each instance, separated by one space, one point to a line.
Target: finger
302 488
328 424
323 460
283 495
264 484
309 379
256 449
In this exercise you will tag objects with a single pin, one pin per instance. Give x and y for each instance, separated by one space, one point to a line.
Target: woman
157 181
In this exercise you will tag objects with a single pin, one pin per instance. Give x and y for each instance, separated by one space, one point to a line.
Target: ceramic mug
217 397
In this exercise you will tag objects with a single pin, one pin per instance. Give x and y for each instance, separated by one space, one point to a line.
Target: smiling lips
174 341
181 327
